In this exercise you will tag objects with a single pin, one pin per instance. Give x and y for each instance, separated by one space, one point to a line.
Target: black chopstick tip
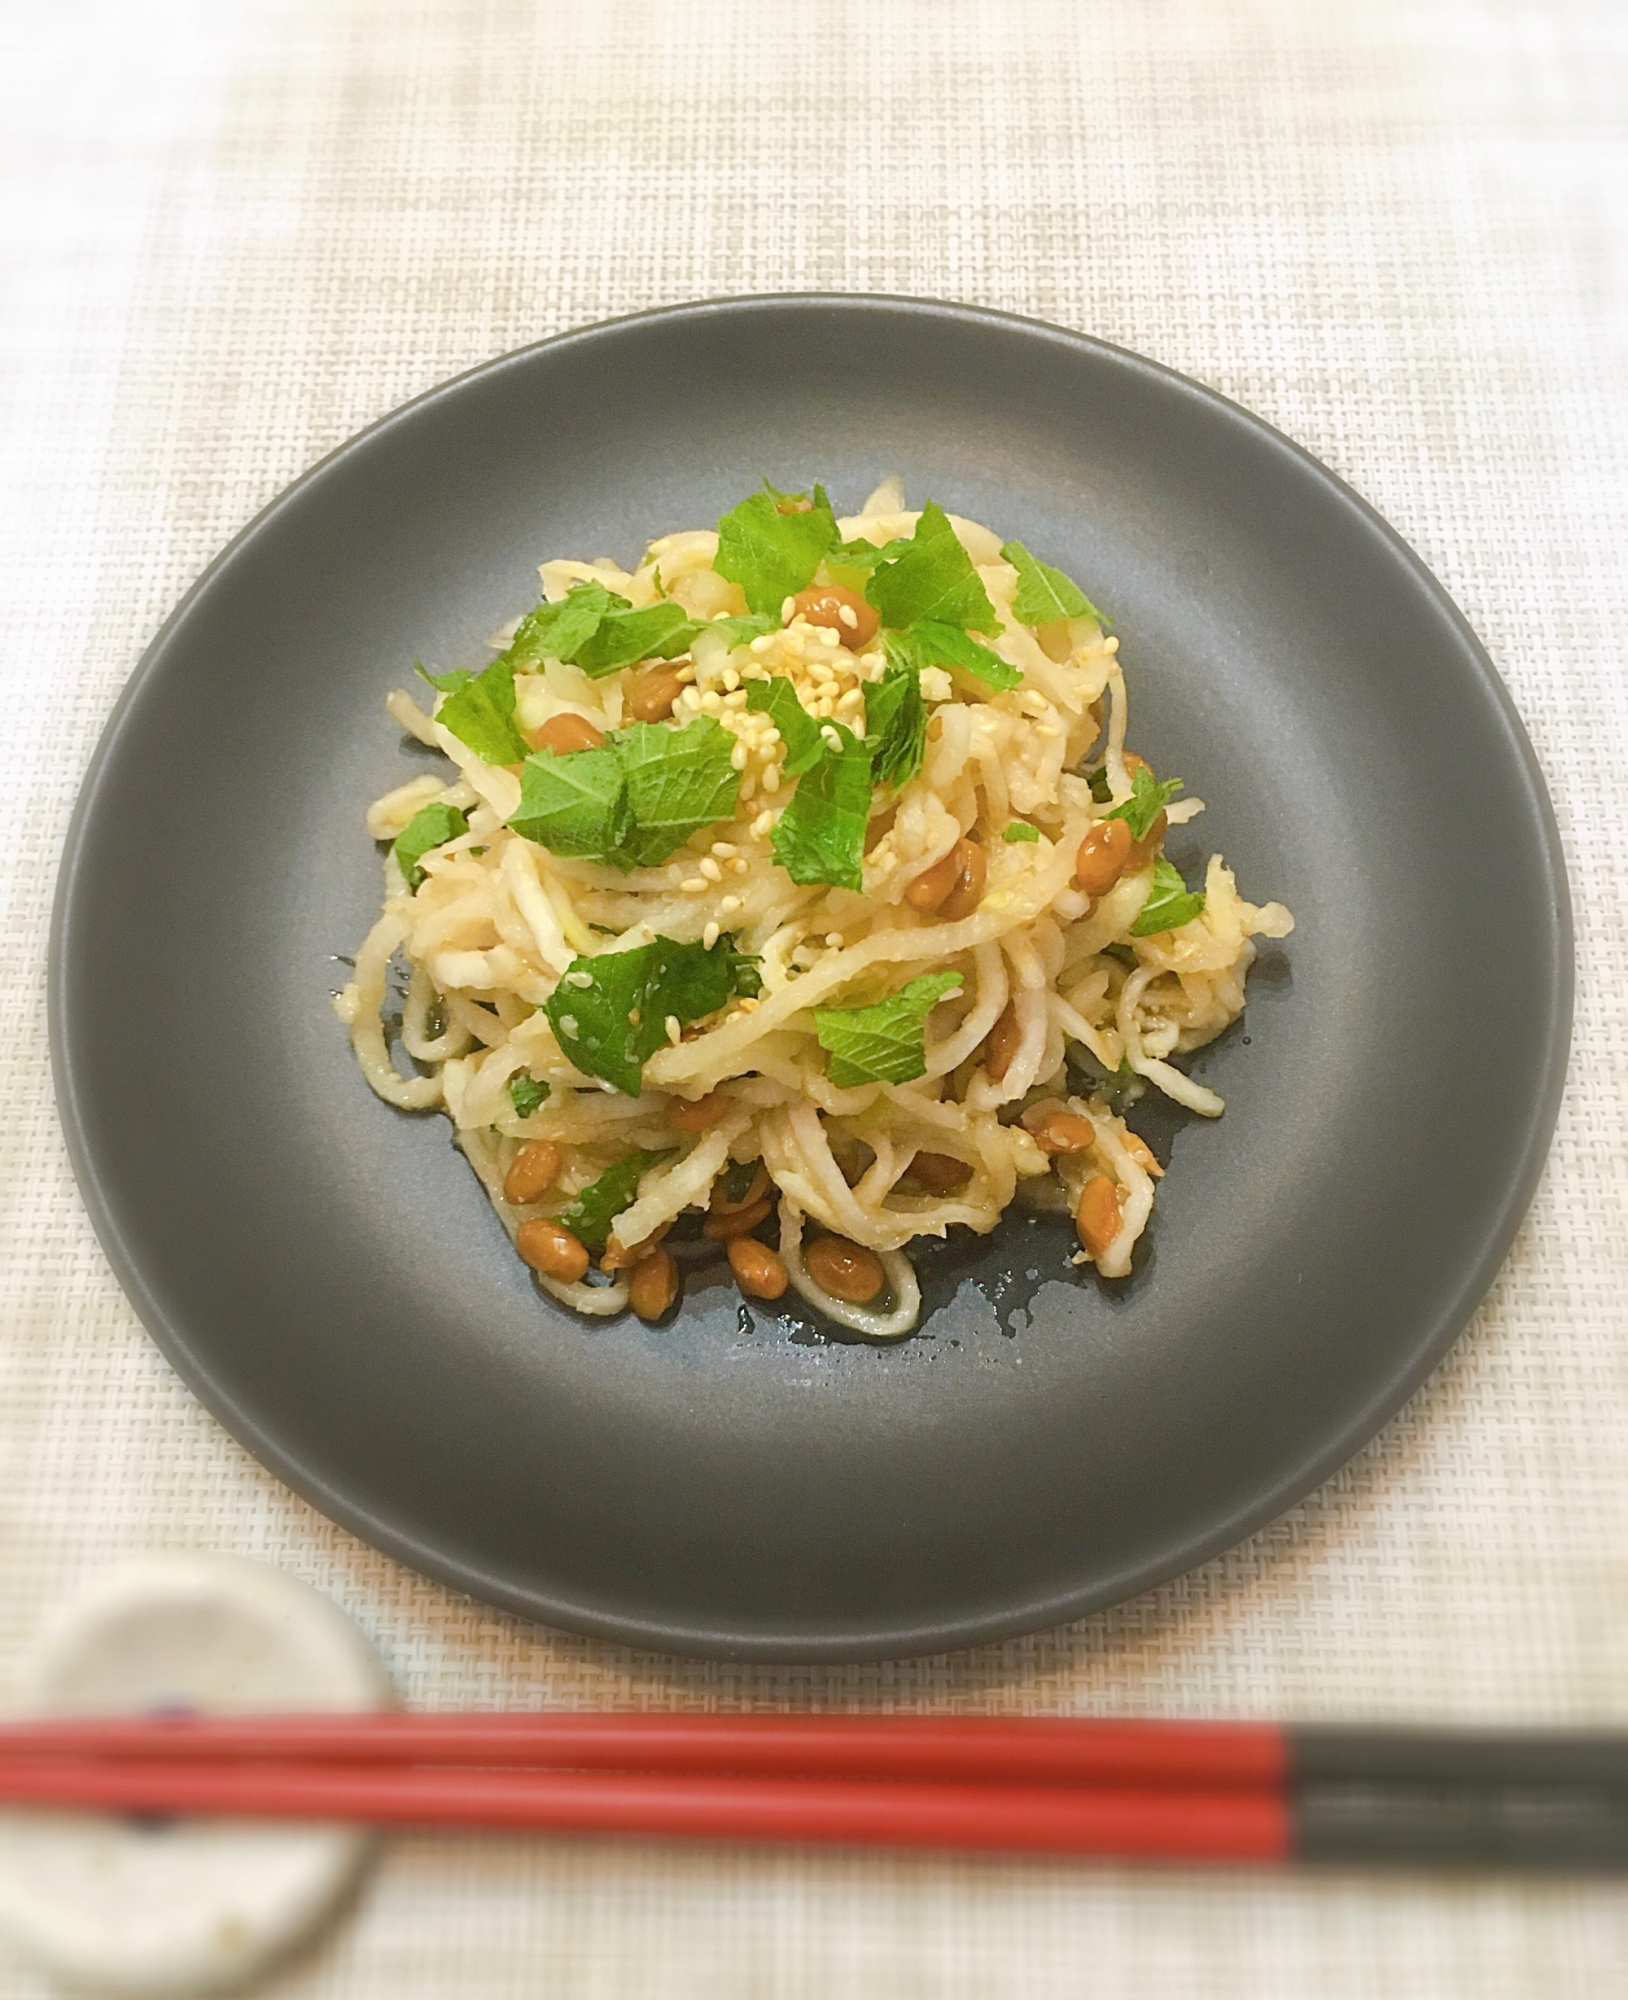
1547 1830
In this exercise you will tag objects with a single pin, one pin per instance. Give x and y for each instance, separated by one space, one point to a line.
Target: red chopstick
1142 1790
1042 1750
1012 1819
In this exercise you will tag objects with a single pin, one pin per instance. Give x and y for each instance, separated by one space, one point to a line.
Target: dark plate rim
1363 1425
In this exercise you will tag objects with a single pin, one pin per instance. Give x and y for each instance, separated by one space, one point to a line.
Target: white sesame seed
846 703
711 870
729 906
579 979
723 849
693 885
832 738
685 673
762 645
1110 645
761 825
771 779
712 701
835 940
674 1029
848 616
732 680
568 1025
787 606
1047 730
709 937
738 866
749 1006
737 757
748 788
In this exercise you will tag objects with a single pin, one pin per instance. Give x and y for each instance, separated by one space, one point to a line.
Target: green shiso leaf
1148 799
1045 594
527 1093
590 1216
430 826
771 546
884 1043
933 577
820 837
610 1012
1170 902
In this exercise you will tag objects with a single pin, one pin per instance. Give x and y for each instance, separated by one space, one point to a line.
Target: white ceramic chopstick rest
183 1907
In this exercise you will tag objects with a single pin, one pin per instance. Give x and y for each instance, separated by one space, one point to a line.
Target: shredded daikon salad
794 896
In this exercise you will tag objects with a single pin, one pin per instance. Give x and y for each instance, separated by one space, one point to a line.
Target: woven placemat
233 235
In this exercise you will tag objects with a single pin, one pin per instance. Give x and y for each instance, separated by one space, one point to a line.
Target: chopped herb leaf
623 638
799 732
853 562
633 801
678 781
429 827
744 976
1124 953
481 714
590 626
1147 800
575 803
1020 829
932 576
948 645
772 555
896 724
526 1092
820 837
1170 902
884 1043
558 631
744 627
613 1024
599 631
448 683
1101 790
1045 594
590 1216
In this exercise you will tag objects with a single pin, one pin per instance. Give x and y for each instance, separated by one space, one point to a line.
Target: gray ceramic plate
325 1272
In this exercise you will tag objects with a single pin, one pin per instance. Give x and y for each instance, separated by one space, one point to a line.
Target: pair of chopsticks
1231 1792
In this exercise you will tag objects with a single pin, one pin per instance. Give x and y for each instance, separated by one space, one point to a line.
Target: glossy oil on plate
327 1273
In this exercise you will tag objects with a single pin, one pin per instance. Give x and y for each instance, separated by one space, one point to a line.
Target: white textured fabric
232 234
